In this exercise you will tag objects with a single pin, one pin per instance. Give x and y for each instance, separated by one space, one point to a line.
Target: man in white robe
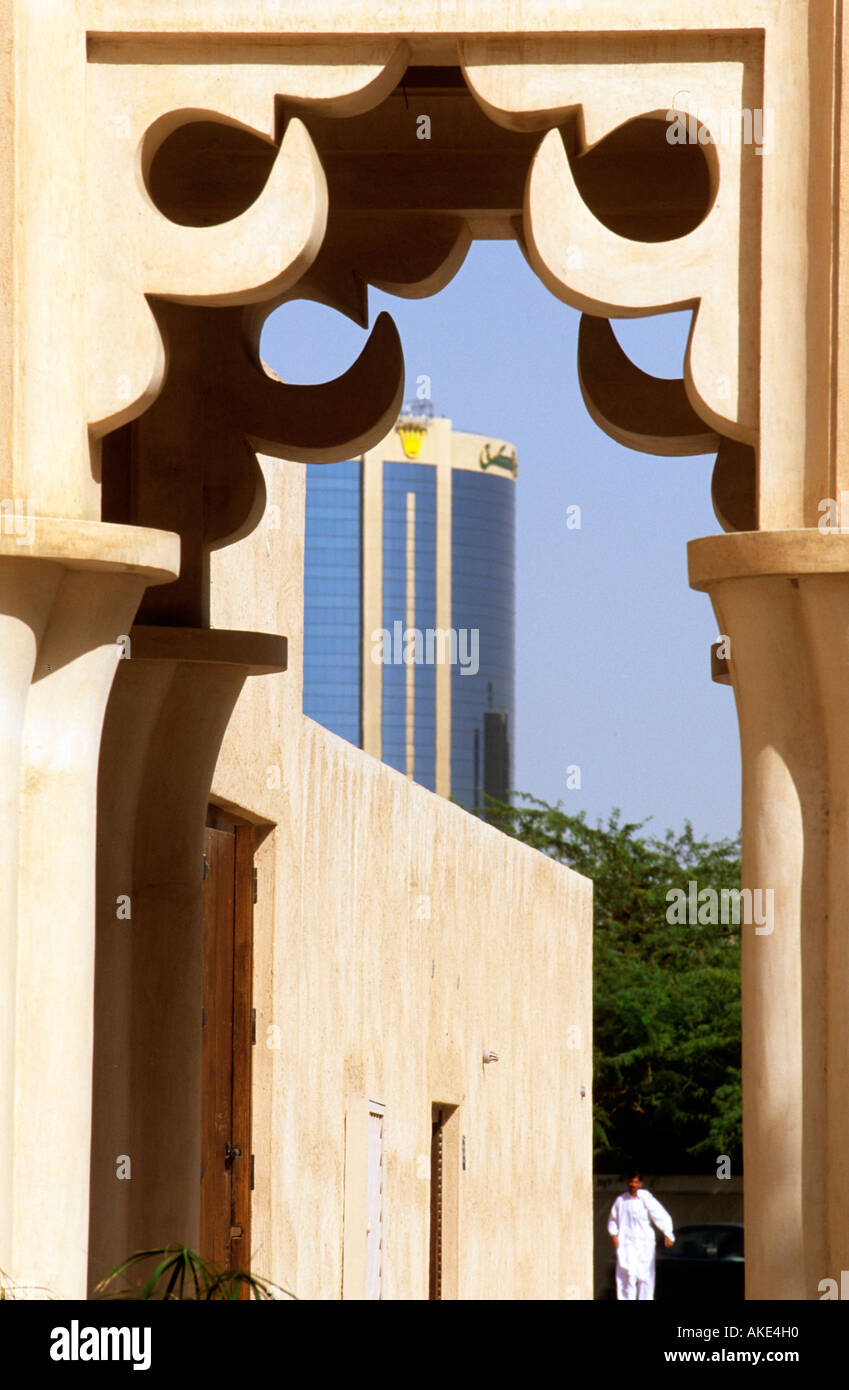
630 1227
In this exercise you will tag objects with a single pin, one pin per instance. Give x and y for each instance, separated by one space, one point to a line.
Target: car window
707 1243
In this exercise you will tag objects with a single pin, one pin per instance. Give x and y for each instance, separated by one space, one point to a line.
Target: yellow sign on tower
412 425
412 433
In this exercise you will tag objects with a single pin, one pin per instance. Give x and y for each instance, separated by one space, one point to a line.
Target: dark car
706 1262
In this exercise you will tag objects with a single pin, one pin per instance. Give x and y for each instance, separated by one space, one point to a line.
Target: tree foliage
666 1056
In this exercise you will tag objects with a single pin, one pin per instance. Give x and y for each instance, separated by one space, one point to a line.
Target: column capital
764 554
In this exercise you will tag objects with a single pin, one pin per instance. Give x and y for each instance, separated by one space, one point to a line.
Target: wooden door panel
227 1042
241 1172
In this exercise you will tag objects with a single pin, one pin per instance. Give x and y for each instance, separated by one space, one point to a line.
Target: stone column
68 590
168 712
783 600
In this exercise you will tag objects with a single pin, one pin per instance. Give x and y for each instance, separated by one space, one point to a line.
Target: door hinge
253 1027
202 1019
253 1170
256 890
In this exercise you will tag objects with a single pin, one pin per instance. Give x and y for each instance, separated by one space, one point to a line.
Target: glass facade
483 527
332 625
482 544
400 480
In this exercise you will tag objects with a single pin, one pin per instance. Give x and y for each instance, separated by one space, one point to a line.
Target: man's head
635 1182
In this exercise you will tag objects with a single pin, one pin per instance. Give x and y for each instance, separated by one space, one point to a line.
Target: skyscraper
409 604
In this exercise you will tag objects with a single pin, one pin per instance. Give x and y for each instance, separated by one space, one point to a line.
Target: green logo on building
503 459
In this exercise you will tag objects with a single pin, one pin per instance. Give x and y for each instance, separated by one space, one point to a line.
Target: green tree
666 1057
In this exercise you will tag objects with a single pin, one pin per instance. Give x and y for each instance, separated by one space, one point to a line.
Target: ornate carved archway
137 283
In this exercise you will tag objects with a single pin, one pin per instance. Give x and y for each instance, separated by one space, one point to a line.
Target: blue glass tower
401 480
332 628
483 524
409 620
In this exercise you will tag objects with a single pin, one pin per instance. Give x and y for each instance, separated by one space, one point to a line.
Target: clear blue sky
613 647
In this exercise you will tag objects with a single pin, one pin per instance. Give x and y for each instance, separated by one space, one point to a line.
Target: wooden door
436 1195
228 1035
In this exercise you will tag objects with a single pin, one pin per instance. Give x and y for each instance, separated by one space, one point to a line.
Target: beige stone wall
375 999
397 938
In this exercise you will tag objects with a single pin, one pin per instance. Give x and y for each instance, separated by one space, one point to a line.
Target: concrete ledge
261 652
92 545
759 554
